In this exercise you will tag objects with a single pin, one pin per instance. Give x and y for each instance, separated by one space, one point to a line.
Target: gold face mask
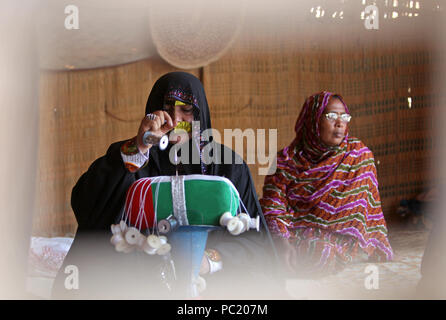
183 125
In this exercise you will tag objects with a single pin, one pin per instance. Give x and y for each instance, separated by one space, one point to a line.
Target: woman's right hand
162 124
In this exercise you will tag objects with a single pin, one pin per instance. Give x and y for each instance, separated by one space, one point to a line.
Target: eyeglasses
333 116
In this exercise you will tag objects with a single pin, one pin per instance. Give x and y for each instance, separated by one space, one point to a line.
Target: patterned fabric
131 156
182 96
325 252
326 195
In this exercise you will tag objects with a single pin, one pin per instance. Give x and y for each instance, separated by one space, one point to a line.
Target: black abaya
98 199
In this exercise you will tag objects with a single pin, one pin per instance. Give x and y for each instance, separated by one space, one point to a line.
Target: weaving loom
171 217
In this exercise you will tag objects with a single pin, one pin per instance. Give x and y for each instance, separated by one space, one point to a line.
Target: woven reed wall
268 91
255 85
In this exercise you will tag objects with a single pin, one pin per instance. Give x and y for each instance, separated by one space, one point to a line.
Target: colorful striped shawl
339 193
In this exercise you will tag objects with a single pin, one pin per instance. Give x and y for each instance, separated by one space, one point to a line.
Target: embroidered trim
130 147
131 167
131 156
180 95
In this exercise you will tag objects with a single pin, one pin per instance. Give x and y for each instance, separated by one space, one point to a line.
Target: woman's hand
162 124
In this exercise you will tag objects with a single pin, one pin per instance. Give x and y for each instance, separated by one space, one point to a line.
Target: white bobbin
133 236
235 226
117 238
163 239
148 249
163 249
154 241
246 219
123 246
123 226
254 223
225 218
115 228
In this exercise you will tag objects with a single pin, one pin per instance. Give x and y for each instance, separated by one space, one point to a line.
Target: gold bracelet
214 259
213 255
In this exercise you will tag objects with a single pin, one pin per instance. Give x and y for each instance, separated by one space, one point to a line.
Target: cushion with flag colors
204 198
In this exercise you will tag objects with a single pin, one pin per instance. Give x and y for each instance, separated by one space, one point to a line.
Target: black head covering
187 88
184 87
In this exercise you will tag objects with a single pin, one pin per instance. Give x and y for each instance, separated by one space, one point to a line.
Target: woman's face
178 114
333 131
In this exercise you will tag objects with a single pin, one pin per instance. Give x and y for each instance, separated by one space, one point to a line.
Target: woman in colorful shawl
322 204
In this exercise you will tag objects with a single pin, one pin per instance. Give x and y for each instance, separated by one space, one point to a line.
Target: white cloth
138 160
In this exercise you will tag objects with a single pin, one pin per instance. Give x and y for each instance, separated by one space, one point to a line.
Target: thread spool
153 241
148 248
115 228
225 218
123 226
254 223
163 239
168 225
123 246
117 238
150 138
132 236
235 226
163 249
246 219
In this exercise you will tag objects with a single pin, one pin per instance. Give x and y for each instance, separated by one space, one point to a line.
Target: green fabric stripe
274 207
374 204
348 167
307 180
287 175
271 187
309 188
353 140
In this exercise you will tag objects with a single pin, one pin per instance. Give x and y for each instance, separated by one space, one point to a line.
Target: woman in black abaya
99 195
